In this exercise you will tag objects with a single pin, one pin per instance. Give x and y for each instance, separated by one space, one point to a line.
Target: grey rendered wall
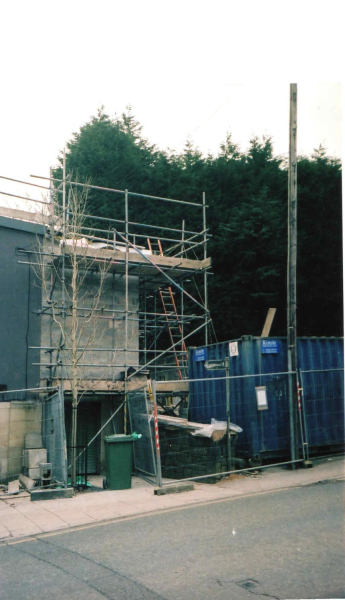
102 332
20 295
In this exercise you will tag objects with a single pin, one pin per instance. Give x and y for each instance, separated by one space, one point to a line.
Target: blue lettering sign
270 346
200 354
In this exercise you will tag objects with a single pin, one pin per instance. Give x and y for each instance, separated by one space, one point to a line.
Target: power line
203 122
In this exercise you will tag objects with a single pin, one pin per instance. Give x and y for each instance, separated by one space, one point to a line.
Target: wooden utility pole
291 274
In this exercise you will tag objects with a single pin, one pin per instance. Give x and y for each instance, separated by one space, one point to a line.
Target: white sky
188 68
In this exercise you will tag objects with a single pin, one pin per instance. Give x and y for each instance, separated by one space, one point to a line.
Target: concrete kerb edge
52 494
9 541
174 489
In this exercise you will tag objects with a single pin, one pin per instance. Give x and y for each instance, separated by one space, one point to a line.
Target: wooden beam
268 323
173 387
167 262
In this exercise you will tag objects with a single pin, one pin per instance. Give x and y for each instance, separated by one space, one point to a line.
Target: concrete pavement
20 517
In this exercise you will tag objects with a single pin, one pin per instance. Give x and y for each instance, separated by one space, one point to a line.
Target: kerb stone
51 494
174 489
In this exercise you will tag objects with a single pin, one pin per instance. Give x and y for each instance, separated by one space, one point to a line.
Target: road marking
27 539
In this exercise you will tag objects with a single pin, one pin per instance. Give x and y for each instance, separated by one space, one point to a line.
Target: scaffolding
126 247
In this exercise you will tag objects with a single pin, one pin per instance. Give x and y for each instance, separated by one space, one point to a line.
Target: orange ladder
173 322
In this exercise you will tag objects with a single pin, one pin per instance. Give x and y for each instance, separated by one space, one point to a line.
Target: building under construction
120 301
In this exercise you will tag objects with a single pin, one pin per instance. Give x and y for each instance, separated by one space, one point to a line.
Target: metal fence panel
32 432
264 431
186 454
323 403
142 422
54 435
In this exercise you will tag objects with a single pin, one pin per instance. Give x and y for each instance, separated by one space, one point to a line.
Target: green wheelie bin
118 461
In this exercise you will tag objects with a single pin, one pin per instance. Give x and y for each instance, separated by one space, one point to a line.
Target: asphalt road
286 544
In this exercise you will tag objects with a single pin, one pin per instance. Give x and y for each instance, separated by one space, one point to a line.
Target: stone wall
16 420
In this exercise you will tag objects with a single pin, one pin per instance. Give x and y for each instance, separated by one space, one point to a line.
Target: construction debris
215 430
13 487
27 482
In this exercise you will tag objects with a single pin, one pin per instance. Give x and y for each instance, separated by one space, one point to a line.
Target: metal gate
89 424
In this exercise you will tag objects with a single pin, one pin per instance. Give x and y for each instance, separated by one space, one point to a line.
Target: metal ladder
173 323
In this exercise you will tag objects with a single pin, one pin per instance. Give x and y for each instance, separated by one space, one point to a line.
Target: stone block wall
16 420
